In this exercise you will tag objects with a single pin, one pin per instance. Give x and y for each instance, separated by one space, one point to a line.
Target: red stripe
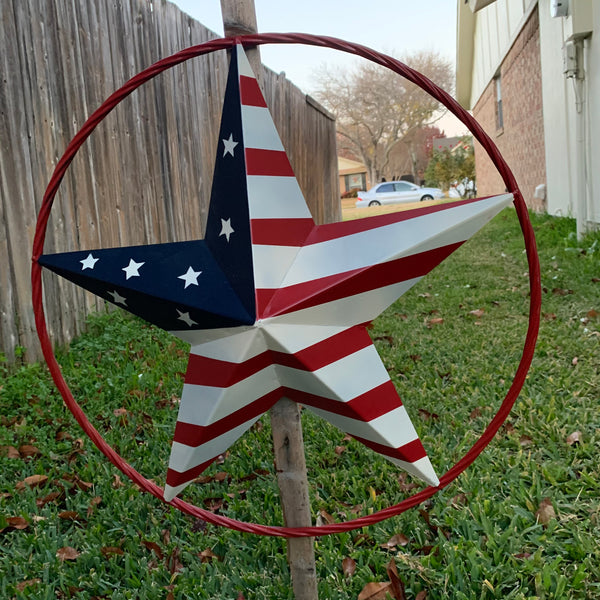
196 435
370 404
268 162
411 452
250 92
328 351
331 231
221 373
366 407
281 232
175 478
263 298
350 283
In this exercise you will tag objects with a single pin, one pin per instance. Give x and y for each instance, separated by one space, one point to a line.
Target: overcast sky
391 26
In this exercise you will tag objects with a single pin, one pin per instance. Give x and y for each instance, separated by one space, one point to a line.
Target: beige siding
496 29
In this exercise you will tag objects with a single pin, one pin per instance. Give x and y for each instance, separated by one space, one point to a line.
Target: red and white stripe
233 380
275 201
230 382
315 287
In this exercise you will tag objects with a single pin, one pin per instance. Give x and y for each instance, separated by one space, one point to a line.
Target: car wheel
426 197
374 203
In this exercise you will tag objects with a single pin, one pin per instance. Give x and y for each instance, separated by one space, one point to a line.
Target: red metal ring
438 94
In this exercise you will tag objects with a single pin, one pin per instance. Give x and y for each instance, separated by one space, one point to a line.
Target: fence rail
144 176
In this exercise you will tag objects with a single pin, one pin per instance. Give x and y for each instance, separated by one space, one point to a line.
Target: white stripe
422 468
237 348
244 67
203 405
170 492
197 337
333 380
271 263
185 457
276 198
284 337
345 312
383 244
394 429
259 129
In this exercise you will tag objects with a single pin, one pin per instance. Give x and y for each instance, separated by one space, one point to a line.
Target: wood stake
239 17
293 490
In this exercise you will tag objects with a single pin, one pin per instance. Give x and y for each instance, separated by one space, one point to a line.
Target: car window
403 186
386 187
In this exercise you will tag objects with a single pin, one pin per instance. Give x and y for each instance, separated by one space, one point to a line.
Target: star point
190 277
230 145
281 311
117 298
132 269
226 228
185 317
89 262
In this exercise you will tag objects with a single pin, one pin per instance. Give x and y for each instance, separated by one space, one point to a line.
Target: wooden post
239 17
293 490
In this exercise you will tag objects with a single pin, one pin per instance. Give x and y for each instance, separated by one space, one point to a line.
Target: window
356 182
499 114
403 186
385 188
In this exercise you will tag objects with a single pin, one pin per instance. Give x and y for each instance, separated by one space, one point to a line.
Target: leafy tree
447 167
376 108
440 170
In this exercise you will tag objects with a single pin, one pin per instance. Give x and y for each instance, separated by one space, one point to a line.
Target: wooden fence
145 174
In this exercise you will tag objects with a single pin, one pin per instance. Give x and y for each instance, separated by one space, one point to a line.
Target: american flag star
283 304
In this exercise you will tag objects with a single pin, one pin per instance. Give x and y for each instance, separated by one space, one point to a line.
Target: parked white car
394 192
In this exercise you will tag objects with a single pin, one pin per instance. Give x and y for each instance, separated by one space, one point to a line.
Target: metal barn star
274 305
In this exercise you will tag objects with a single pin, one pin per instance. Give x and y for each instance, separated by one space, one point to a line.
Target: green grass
483 539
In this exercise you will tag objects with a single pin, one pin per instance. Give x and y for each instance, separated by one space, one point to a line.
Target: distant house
530 72
353 175
446 143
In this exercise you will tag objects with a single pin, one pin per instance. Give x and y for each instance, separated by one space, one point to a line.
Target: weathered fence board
145 174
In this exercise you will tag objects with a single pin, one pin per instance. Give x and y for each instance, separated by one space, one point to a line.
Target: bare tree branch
377 109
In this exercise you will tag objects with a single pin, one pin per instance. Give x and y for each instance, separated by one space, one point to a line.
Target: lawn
523 522
349 210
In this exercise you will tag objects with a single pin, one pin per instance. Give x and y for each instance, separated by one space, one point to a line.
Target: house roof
347 166
446 143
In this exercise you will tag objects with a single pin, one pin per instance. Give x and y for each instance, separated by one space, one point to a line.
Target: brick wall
521 139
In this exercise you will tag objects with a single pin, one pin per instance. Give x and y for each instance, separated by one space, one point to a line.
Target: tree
376 108
449 166
411 154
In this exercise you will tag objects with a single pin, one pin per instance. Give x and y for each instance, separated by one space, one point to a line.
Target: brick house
539 113
353 175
